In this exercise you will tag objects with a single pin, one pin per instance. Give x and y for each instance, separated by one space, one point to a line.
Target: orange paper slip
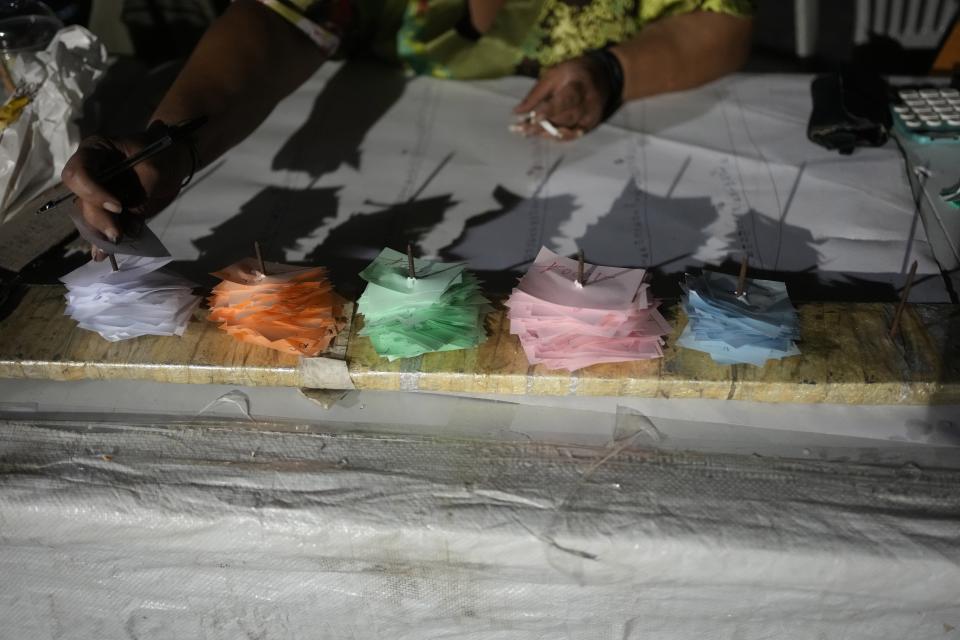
293 309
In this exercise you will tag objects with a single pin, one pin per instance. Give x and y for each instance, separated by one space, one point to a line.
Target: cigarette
549 128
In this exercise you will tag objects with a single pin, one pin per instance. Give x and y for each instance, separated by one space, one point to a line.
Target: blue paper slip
751 328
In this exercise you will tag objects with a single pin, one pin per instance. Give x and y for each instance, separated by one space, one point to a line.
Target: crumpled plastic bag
34 148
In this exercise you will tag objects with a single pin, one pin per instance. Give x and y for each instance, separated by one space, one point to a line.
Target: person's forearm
247 61
483 13
682 52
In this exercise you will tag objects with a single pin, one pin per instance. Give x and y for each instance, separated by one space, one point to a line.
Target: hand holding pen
137 175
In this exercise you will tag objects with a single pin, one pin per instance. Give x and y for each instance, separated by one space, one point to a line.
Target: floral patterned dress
428 37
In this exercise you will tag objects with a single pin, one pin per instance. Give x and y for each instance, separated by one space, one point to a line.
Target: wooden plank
38 341
847 358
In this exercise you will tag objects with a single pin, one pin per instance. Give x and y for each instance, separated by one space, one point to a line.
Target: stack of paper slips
137 300
759 325
293 309
563 325
441 309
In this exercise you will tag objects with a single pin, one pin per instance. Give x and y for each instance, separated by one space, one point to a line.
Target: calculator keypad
929 110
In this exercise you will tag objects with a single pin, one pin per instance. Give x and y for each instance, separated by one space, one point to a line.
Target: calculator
927 113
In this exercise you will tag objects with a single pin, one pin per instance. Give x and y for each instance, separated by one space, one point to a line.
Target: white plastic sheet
188 533
34 149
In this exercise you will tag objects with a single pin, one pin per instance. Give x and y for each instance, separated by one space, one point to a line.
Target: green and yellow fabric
526 35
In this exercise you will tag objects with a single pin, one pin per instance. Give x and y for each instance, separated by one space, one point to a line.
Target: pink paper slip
552 278
565 326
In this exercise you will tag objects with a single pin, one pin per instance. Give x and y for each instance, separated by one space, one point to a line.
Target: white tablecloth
359 158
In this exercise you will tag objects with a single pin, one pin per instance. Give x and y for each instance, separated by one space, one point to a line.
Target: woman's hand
674 53
571 96
144 190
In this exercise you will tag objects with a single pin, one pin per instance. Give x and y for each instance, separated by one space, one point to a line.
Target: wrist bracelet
613 73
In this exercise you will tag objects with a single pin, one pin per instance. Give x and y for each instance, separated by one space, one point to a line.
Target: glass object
26 27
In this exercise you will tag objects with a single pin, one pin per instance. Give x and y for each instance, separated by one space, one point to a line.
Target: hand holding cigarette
566 102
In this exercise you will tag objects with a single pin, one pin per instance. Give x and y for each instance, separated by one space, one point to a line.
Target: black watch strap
612 71
158 128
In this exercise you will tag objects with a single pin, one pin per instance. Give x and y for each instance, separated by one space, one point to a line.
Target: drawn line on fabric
676 180
416 157
424 130
763 158
736 163
446 160
396 223
423 186
638 196
539 204
673 186
535 228
783 215
537 210
209 171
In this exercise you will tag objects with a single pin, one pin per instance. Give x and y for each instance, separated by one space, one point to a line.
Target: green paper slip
390 270
441 311
383 301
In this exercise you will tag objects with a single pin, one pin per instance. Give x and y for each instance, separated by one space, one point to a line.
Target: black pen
174 133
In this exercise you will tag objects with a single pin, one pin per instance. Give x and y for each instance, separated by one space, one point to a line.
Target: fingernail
515 128
112 207
112 236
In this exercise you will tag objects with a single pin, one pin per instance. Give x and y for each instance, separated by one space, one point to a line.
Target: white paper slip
139 299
